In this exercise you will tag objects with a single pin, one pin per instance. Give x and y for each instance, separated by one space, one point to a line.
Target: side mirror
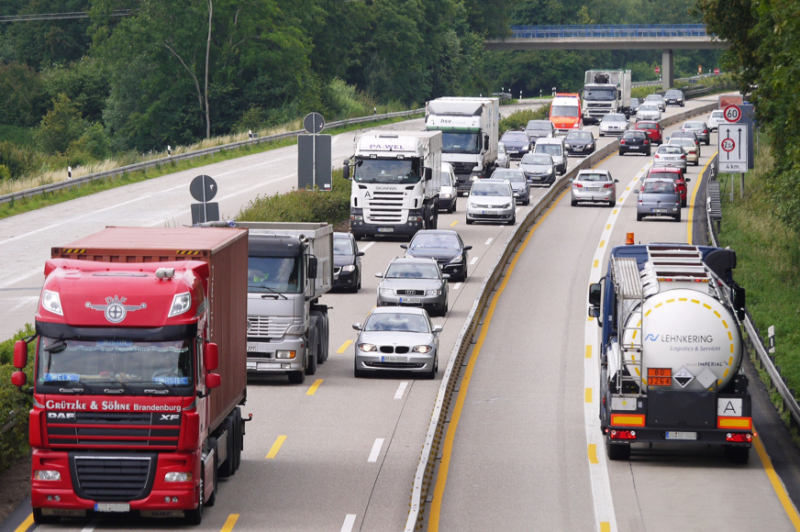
20 354
19 379
211 356
404 246
686 179
437 329
428 174
446 276
595 291
346 170
357 326
570 180
636 191
467 248
616 181
213 381
360 254
379 275
312 267
486 142
739 301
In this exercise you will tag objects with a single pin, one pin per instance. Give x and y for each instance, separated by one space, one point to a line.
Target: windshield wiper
56 347
166 388
272 291
122 387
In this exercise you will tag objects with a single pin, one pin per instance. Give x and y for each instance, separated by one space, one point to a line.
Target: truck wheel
212 443
321 334
191 517
297 377
311 347
41 519
618 451
228 467
737 455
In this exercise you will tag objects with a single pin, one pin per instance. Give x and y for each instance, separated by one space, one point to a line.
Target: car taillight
683 157
705 131
608 185
657 157
646 142
578 185
622 141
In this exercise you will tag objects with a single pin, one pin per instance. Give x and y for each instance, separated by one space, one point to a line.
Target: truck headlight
433 292
285 355
45 474
177 476
349 268
422 349
367 348
180 304
356 217
52 302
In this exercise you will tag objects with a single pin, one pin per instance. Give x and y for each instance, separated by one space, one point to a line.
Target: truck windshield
461 142
267 275
565 111
603 95
114 366
387 171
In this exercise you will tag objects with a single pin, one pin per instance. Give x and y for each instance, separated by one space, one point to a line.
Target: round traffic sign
732 113
658 70
313 123
728 145
203 188
716 71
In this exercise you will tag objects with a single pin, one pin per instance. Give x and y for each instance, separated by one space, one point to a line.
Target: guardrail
78 181
424 475
594 31
690 80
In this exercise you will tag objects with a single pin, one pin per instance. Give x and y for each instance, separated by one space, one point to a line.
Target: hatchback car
579 142
634 142
502 156
658 197
648 111
614 124
539 129
416 283
398 340
674 97
670 156
700 129
518 180
652 130
556 149
716 118
595 186
658 100
448 190
673 174
538 168
687 135
517 143
491 200
445 247
346 262
688 145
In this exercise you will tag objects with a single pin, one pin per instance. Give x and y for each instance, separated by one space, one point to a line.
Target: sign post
314 155
203 188
733 150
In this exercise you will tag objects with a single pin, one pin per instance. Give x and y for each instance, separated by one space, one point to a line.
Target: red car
652 130
676 175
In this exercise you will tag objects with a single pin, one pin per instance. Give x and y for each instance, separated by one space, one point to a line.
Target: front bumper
520 196
261 355
446 203
414 362
649 209
345 279
540 179
427 302
579 150
490 215
361 228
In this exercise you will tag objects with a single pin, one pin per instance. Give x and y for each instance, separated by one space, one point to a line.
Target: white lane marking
517 210
90 526
22 301
376 450
401 390
457 286
22 277
367 246
349 521
255 165
473 261
489 241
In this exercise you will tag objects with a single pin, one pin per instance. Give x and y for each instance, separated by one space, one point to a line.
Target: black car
674 97
445 247
634 141
346 262
579 142
635 103
538 129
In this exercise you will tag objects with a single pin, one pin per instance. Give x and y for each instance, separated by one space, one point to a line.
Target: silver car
397 339
649 112
414 282
670 155
491 200
594 185
691 149
539 168
614 124
658 100
658 197
502 156
700 129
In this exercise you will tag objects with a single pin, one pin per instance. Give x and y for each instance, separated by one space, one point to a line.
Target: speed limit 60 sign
732 113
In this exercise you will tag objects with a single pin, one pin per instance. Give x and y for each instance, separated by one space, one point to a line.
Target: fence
599 31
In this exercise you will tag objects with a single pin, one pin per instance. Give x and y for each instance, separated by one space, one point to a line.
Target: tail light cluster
608 185
622 141
739 437
622 434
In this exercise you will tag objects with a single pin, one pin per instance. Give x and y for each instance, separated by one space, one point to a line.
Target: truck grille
385 207
155 430
267 326
464 168
112 478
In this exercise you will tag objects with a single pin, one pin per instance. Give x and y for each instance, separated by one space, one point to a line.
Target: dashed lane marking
456 286
273 451
25 525
349 521
489 241
230 522
344 347
313 389
593 454
376 450
367 246
401 390
473 261
454 223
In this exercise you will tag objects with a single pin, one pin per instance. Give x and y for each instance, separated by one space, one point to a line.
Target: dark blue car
517 144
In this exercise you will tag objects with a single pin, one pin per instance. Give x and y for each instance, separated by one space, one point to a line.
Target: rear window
550 149
659 187
633 135
670 150
515 135
593 177
645 126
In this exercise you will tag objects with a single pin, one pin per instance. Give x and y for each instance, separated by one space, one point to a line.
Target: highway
338 453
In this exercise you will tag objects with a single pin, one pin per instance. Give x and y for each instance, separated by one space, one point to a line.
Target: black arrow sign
740 144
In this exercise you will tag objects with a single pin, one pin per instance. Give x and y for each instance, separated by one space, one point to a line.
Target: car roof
496 180
338 234
435 232
647 122
399 309
446 166
598 171
551 140
412 260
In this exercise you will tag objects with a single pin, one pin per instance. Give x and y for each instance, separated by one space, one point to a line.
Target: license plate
681 435
592 189
633 147
659 210
112 507
491 213
410 300
394 359
386 229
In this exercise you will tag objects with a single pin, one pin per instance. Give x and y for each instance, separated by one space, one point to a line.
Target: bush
14 442
519 119
94 143
19 160
60 127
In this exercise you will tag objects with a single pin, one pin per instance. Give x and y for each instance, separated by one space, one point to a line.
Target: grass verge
78 191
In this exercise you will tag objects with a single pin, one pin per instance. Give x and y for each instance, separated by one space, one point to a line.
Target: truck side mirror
213 381
486 142
346 169
739 301
595 290
312 267
19 379
20 354
211 356
428 174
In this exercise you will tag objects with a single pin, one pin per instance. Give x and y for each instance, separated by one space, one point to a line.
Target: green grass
519 119
43 200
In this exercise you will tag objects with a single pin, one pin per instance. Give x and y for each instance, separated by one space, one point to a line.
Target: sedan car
579 142
648 111
658 100
518 180
594 185
539 129
674 97
687 135
688 145
414 282
700 129
670 156
445 247
398 340
448 190
491 200
658 197
634 141
539 168
346 262
517 143
502 156
716 118
614 124
675 175
652 130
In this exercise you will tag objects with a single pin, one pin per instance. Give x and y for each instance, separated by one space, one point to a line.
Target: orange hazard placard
659 376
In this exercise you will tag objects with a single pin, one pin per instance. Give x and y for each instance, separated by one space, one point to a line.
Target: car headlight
52 302
433 292
456 259
177 476
387 291
180 304
445 195
422 349
368 348
283 354
590 145
505 206
46 475
473 206
473 178
349 268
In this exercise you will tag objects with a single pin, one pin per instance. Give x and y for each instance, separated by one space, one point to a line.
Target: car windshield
693 125
642 125
539 126
515 136
84 363
407 270
461 142
648 107
435 241
550 149
659 187
593 177
603 95
717 114
387 171
342 246
570 111
633 135
511 174
614 118
501 148
273 274
490 189
538 159
673 94
653 98
397 322
579 135
670 150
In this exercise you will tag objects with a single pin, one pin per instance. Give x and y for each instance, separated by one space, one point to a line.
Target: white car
614 124
448 191
491 200
502 156
716 118
648 111
691 149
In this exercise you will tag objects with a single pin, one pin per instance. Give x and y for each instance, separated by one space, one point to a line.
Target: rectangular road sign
314 162
733 148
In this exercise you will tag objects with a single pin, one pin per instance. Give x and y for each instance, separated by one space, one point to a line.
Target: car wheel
455 206
638 217
601 134
649 153
469 222
357 373
678 217
574 203
432 373
513 220
683 203
612 203
527 200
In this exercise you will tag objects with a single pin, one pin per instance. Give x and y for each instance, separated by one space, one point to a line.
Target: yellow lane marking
454 223
313 389
588 395
602 243
593 454
590 318
608 227
588 351
691 204
596 263
344 346
615 211
605 526
273 451
777 485
26 524
230 522
450 436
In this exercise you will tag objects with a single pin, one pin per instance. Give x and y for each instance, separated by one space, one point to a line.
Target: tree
61 126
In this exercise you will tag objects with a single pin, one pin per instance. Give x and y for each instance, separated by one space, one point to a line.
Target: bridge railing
609 31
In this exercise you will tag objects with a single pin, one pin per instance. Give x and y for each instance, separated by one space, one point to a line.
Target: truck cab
604 92
565 112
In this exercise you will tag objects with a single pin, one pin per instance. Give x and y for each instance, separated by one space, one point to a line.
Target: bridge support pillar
667 70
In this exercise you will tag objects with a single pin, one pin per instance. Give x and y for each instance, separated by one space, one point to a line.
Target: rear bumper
659 435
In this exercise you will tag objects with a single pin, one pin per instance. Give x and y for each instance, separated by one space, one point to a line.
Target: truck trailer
671 350
606 91
470 131
139 372
290 267
396 180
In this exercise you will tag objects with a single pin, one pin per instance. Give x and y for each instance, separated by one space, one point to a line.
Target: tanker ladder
630 298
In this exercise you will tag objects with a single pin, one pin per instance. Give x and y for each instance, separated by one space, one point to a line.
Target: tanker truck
671 350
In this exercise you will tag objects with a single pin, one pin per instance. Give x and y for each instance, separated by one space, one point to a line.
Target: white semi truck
605 91
290 266
470 131
671 350
396 177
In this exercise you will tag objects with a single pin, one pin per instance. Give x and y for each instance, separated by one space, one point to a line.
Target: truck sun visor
274 246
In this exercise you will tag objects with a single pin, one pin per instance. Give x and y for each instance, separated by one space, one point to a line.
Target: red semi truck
140 370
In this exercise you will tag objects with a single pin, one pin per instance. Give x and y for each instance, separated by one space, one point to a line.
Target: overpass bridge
613 37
